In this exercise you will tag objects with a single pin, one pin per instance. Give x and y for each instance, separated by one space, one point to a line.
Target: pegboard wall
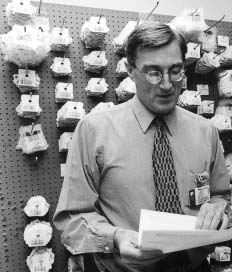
20 177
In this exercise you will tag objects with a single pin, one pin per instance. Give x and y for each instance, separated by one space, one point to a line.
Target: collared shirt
109 175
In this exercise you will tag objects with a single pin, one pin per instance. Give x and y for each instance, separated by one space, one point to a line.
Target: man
113 169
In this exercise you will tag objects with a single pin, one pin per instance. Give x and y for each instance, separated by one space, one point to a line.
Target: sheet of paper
174 232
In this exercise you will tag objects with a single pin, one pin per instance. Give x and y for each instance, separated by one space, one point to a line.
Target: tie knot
159 122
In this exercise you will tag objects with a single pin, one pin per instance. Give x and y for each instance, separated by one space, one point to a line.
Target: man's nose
165 83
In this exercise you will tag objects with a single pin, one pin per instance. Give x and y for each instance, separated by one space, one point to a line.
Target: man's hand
126 241
212 217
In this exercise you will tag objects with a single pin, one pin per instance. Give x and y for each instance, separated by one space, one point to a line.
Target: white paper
174 232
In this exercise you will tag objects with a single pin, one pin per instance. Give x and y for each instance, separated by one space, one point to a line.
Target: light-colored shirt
109 175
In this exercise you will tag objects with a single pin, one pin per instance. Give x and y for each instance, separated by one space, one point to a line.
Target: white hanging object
36 206
70 113
125 90
25 45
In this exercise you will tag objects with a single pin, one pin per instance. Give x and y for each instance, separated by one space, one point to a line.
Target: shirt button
107 248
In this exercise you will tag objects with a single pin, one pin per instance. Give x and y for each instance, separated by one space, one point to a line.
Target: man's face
160 98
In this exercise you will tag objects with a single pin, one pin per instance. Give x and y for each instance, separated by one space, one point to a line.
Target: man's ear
130 70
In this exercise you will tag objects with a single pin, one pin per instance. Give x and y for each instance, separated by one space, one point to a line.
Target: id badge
201 194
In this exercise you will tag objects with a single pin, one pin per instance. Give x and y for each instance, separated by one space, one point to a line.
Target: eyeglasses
154 77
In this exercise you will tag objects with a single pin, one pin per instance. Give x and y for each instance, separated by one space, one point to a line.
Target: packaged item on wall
193 53
207 63
221 254
31 139
60 39
40 259
38 233
64 141
102 106
26 80
224 81
206 107
119 42
125 90
209 40
190 24
76 263
121 70
229 164
61 67
96 87
189 99
29 106
36 206
222 122
223 42
224 107
95 62
63 92
25 45
70 113
226 57
93 32
20 12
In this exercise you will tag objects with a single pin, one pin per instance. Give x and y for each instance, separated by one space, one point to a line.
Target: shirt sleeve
219 177
83 229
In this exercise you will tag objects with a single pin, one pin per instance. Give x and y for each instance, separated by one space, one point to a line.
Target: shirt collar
145 116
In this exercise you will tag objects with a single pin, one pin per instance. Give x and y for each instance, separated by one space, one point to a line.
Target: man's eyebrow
147 66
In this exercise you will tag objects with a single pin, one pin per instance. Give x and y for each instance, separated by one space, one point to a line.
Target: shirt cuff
97 239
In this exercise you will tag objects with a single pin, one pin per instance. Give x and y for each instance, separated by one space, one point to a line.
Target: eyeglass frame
182 70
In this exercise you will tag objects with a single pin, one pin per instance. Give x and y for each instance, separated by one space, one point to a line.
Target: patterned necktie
164 174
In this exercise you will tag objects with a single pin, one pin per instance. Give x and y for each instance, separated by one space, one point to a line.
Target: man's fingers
225 222
217 218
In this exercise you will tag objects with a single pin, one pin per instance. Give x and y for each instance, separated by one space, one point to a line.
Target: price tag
62 66
74 114
203 89
223 41
38 238
223 253
34 140
215 61
207 107
196 18
26 78
41 262
64 91
30 103
21 6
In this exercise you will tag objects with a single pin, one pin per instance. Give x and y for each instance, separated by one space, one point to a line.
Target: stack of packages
63 92
96 87
189 99
31 139
93 34
60 39
223 117
70 113
37 234
61 67
20 12
125 90
29 106
95 62
25 45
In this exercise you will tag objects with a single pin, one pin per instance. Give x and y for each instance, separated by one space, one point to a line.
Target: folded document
174 232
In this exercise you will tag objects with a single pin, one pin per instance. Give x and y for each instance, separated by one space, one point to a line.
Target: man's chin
163 109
